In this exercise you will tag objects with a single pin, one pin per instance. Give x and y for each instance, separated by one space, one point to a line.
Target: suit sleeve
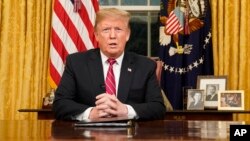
152 107
65 106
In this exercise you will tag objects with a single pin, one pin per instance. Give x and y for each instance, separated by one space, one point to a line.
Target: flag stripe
56 76
80 25
56 60
58 46
62 33
66 10
72 31
87 19
173 25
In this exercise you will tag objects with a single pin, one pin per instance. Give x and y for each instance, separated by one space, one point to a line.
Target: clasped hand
108 106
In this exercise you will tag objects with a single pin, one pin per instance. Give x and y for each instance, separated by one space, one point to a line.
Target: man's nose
112 33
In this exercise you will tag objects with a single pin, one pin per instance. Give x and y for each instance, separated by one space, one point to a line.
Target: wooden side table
41 113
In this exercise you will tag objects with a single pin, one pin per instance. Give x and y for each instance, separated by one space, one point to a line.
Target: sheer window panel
108 2
144 33
155 2
134 2
129 2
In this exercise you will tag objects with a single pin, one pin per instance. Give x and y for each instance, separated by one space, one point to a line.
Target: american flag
72 31
173 24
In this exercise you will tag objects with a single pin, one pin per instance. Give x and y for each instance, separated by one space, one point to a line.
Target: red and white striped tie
110 78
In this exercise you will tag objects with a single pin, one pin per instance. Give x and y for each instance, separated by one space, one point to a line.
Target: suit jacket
214 98
83 80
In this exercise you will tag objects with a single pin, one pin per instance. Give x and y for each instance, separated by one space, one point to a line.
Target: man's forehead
111 24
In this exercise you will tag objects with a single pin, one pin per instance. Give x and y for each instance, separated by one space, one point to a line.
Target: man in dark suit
82 92
211 93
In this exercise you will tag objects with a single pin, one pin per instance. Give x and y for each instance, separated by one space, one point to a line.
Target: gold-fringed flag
72 31
185 46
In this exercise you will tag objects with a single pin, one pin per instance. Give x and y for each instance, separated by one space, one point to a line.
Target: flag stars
207 40
190 67
184 70
209 34
196 64
201 60
171 69
181 70
166 67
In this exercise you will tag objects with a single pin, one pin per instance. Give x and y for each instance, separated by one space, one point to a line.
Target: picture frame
195 99
231 100
185 96
211 85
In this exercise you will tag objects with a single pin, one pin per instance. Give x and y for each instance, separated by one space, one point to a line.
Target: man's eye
106 30
118 29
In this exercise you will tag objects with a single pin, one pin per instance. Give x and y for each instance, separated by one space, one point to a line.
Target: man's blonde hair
113 13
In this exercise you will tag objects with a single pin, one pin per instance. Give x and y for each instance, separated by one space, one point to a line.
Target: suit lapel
96 72
125 77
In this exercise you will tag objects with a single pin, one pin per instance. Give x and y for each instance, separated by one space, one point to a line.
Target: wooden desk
170 115
44 130
202 115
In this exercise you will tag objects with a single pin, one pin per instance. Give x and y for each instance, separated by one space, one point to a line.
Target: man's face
197 96
112 35
211 90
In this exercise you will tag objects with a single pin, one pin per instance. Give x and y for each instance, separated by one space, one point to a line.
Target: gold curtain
231 47
24 52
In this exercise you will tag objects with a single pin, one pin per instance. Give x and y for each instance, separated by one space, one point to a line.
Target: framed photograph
231 100
211 85
185 96
195 99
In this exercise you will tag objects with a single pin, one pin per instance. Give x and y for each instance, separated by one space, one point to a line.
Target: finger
111 112
101 95
111 104
106 95
113 98
103 114
104 99
102 107
100 101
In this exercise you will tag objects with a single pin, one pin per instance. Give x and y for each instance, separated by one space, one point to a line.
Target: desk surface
143 130
174 111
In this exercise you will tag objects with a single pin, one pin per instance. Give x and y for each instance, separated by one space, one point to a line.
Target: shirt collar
118 60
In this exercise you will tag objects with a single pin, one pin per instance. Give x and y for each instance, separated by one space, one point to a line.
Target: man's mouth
112 44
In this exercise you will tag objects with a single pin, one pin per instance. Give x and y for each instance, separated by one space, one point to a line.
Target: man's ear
128 35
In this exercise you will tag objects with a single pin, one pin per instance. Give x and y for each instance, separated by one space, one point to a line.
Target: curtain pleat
25 31
230 31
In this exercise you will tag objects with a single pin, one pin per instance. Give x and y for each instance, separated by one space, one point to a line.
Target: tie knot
111 61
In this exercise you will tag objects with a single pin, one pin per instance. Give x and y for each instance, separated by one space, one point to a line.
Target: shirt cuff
84 115
131 112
